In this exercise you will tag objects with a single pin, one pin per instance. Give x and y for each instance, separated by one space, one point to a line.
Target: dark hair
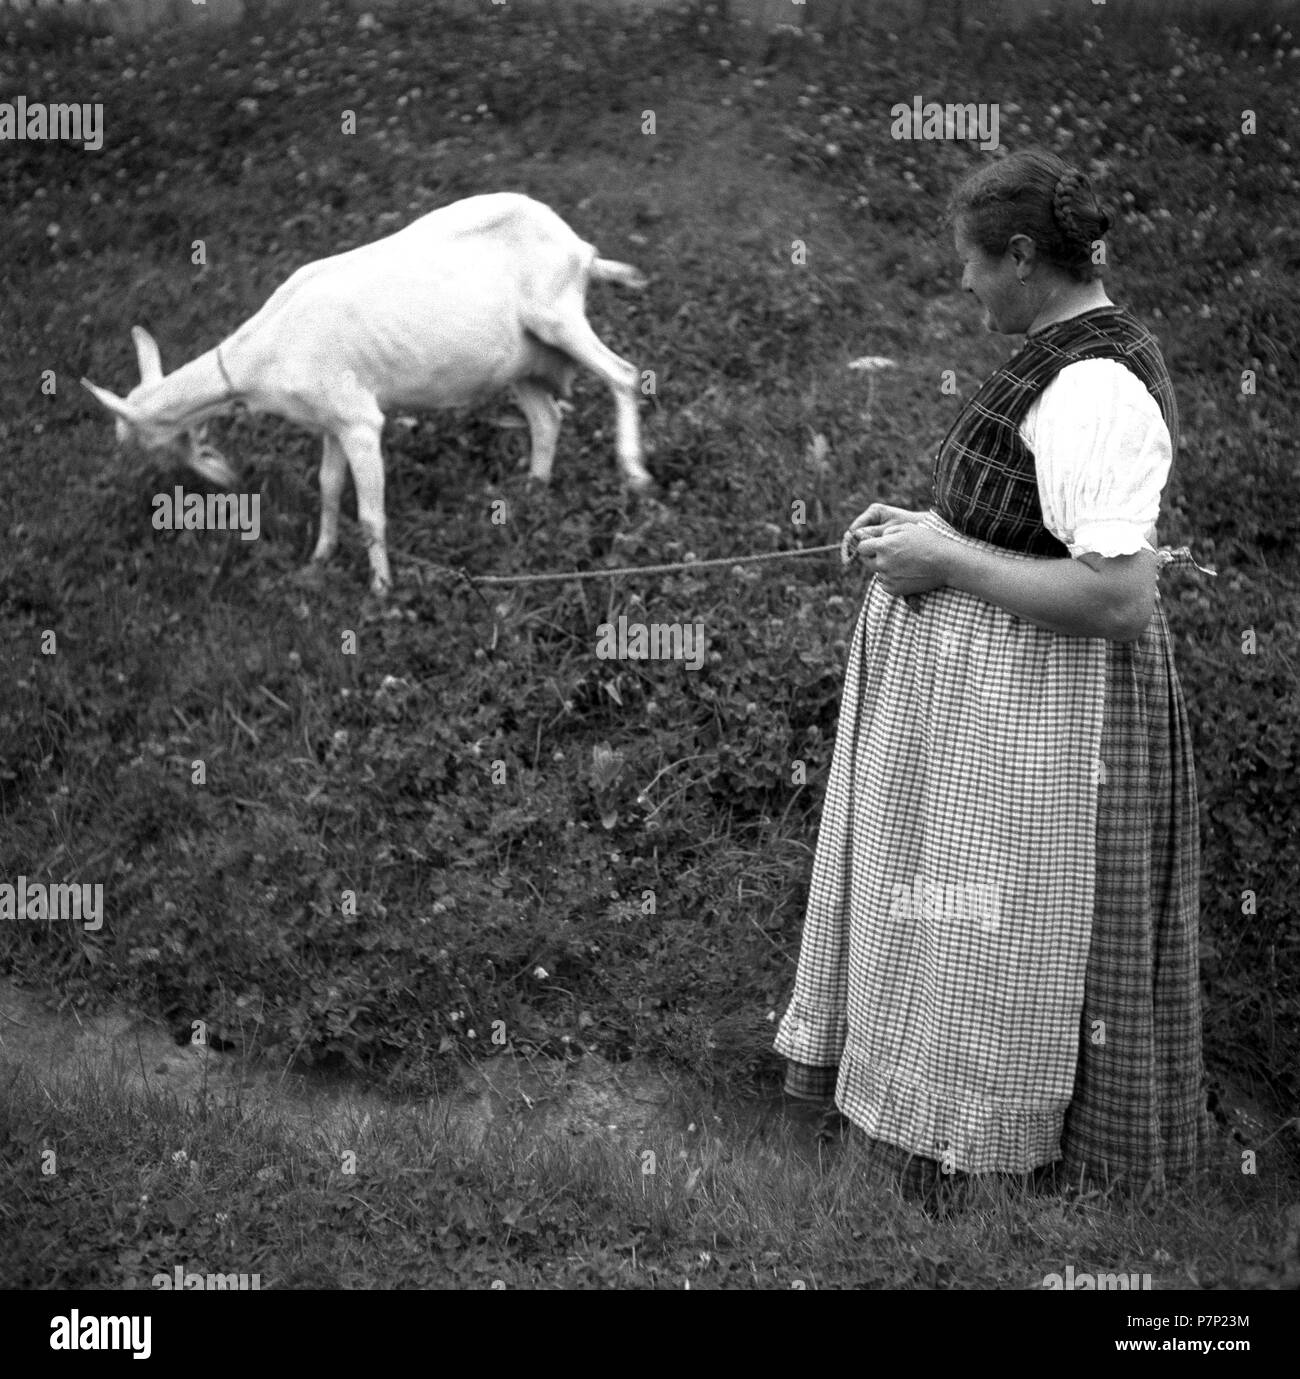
1037 194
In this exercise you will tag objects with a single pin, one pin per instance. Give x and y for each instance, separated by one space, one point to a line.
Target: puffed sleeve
1103 455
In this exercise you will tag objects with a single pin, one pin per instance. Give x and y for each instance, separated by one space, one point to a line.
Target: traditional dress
999 960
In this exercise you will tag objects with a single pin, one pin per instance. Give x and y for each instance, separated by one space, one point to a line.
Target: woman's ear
1022 250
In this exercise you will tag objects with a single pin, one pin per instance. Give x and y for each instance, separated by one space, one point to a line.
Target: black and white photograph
649 645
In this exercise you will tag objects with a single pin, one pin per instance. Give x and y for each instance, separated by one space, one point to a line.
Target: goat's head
141 422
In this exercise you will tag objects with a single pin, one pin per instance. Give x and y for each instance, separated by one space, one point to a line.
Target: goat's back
440 313
500 248
545 256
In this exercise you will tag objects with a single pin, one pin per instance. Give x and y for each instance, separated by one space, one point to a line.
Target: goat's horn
148 354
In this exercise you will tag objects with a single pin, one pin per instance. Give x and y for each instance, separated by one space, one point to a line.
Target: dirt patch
54 1046
620 1103
588 1098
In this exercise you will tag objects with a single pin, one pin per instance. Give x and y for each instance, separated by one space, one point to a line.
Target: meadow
471 836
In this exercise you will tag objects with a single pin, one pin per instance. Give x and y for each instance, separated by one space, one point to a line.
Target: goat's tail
611 271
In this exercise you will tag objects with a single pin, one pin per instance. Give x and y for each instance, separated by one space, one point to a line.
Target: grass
448 776
415 1196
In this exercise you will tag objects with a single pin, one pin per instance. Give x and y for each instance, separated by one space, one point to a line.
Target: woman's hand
877 514
905 556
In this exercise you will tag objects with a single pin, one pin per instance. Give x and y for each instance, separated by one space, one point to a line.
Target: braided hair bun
1076 211
1036 193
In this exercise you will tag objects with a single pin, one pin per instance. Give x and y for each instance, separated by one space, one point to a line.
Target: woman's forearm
1075 598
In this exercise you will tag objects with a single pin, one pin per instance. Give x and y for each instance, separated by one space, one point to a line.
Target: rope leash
458 572
557 577
1179 557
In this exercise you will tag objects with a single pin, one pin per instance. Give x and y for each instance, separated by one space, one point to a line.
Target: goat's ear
119 407
147 352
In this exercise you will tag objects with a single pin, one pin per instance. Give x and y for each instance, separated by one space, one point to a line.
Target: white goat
485 294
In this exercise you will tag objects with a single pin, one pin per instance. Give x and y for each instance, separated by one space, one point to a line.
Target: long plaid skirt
999 955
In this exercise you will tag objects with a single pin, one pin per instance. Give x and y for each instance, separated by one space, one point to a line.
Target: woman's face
1009 307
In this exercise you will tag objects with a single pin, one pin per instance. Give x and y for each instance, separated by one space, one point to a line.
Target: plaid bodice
985 479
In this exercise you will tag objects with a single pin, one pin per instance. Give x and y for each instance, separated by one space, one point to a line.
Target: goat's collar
225 376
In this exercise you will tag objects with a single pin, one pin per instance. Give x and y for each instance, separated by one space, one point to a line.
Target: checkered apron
999 964
946 938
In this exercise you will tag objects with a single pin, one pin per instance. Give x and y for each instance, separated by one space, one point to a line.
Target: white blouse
1103 454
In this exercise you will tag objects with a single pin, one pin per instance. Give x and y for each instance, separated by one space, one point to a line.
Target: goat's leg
567 329
333 468
365 458
543 415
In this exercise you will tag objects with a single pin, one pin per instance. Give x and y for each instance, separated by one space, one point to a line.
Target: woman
999 960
